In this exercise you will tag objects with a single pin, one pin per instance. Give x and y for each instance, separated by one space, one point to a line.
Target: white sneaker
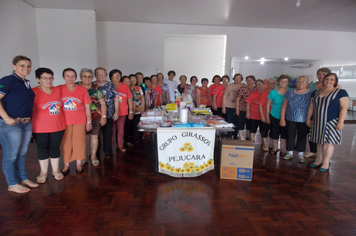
301 158
288 156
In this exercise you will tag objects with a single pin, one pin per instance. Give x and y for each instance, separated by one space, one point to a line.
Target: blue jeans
231 117
14 141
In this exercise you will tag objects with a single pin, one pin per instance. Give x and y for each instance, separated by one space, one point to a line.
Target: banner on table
185 152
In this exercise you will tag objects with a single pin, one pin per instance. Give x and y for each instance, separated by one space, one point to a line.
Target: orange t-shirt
263 101
74 104
219 92
124 94
47 113
211 89
158 89
204 99
254 99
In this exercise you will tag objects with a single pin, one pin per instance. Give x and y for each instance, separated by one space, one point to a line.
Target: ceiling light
262 59
246 57
286 58
262 62
297 4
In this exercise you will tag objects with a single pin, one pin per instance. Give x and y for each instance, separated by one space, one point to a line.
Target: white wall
66 38
18 35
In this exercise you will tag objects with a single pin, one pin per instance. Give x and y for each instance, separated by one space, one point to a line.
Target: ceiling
326 15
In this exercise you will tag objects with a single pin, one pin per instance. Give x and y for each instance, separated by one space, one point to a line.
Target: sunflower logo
190 149
191 164
177 170
202 167
188 170
206 165
162 165
186 147
168 167
210 162
182 171
197 169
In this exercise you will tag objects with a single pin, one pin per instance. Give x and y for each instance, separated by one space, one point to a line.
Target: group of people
60 118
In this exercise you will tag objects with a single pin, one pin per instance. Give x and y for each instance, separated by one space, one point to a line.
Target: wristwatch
88 122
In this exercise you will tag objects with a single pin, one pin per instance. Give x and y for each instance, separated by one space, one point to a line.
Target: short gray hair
85 70
303 76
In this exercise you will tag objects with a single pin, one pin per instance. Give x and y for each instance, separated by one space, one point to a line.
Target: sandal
18 188
282 153
41 179
122 149
265 149
28 183
58 176
273 152
95 162
84 162
309 154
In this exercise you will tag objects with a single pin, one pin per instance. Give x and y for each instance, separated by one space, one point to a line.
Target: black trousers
276 129
131 130
107 137
299 129
48 144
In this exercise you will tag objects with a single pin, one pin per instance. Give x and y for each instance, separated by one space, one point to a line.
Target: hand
308 123
214 107
11 121
88 127
142 111
340 125
263 119
247 115
103 121
237 112
282 123
115 117
268 121
224 110
131 115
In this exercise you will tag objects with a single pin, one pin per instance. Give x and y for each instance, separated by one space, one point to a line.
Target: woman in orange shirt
77 115
202 97
48 124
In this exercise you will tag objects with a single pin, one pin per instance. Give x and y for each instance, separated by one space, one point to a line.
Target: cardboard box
236 159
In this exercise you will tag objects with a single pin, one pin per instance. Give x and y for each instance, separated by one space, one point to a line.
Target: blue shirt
298 104
18 96
277 101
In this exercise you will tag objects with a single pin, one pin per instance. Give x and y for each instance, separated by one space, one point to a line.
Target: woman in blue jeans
16 104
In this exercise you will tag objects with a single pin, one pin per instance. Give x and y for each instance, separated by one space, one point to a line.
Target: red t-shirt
219 92
211 89
124 94
263 101
254 99
47 114
74 104
158 89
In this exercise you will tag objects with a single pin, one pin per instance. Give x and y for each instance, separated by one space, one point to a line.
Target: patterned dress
325 117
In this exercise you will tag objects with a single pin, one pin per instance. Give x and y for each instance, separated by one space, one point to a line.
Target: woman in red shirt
48 124
252 109
76 110
158 89
125 105
218 95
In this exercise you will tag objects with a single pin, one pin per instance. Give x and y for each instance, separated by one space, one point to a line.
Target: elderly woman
48 124
328 107
76 110
125 105
218 95
321 72
273 115
16 103
242 95
252 109
164 87
151 96
191 89
294 116
216 82
182 85
201 96
112 108
265 129
229 103
97 110
131 129
158 89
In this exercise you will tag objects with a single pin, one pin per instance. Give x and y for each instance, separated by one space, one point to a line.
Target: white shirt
172 85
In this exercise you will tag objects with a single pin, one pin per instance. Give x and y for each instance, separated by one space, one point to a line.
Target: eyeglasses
47 78
87 76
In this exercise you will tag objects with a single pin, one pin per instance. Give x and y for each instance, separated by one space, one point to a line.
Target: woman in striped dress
328 107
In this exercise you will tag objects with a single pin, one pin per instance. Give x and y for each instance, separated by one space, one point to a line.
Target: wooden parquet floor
125 196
